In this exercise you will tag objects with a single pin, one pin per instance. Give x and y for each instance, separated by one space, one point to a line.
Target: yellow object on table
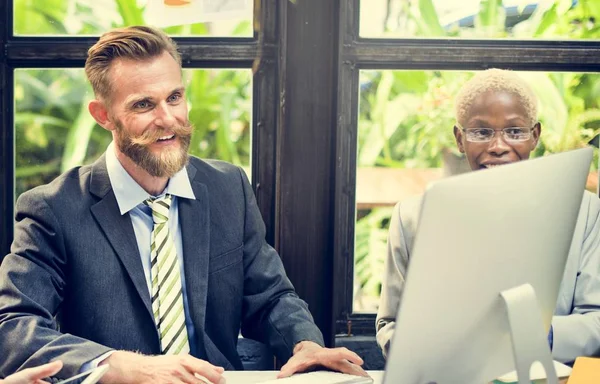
585 371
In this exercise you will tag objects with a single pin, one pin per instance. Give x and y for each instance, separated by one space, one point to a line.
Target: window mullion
581 56
44 52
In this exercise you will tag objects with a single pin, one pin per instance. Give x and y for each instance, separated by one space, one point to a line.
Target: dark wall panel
305 167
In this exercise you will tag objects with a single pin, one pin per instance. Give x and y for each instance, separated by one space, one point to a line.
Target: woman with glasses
496 124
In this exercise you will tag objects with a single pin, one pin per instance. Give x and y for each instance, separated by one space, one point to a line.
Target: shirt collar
129 193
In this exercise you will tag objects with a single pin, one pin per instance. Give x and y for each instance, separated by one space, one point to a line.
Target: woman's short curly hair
495 80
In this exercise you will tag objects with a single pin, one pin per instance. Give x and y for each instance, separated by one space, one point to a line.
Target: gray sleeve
578 334
396 264
32 285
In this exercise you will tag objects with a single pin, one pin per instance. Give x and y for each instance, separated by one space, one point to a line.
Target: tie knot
160 208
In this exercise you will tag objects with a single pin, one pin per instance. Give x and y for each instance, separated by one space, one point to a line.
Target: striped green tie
167 300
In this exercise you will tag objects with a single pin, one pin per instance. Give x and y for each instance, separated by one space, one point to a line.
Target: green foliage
220 110
406 117
130 12
425 16
371 234
491 18
53 129
562 20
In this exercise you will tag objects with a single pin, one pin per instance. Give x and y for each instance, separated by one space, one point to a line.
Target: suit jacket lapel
118 230
194 221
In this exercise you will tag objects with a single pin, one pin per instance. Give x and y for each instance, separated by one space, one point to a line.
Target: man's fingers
291 367
339 359
286 371
343 366
37 373
344 354
44 370
180 374
204 380
359 371
347 367
209 374
189 378
204 369
195 364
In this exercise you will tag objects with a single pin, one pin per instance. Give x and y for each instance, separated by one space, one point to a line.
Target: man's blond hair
130 43
495 80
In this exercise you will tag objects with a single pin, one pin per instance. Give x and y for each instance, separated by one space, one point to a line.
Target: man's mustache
152 135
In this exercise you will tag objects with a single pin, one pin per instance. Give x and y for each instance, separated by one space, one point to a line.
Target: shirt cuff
94 363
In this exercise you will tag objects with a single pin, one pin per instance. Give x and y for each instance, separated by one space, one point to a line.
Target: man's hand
34 375
133 368
309 355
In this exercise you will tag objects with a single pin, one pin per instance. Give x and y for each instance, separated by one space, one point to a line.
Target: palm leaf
130 12
78 139
38 118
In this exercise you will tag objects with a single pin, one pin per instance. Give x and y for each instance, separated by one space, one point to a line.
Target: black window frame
357 53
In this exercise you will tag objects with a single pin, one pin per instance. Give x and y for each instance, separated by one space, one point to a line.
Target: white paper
166 13
320 377
537 373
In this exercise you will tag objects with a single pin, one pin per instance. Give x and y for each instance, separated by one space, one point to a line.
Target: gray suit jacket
73 286
576 321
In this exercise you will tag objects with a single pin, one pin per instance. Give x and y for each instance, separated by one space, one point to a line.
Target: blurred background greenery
405 117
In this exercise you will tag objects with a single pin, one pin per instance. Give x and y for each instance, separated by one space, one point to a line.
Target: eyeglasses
484 135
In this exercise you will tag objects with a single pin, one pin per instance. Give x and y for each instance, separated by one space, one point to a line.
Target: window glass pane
94 17
520 19
405 141
54 130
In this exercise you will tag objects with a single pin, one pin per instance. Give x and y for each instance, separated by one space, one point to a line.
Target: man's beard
168 162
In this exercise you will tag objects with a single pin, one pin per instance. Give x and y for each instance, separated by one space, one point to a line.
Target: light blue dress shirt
130 198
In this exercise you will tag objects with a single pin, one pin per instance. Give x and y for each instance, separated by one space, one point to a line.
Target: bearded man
149 260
